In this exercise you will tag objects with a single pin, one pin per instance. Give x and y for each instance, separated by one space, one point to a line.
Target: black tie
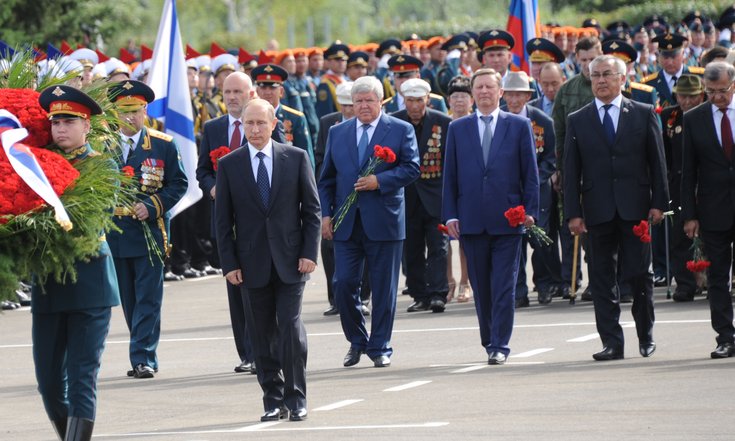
607 125
264 187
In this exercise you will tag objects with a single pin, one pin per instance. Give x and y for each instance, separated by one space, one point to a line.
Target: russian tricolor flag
524 24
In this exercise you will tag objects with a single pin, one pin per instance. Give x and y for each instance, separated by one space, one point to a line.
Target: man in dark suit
425 247
227 131
267 221
490 167
373 229
614 177
708 193
545 260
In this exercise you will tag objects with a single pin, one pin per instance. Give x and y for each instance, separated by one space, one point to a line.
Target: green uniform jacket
572 96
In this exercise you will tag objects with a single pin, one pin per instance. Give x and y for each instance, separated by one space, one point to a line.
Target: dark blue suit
140 274
478 194
373 229
70 324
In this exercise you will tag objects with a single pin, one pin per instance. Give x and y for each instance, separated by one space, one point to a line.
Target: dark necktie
236 139
131 148
487 136
362 145
674 79
264 187
726 131
607 125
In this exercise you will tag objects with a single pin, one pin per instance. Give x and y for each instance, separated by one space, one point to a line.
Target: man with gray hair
708 193
373 228
615 178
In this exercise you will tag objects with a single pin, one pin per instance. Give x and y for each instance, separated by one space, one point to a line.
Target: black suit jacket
627 177
427 189
325 122
254 238
545 142
708 178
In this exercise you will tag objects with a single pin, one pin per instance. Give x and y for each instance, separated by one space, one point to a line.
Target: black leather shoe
209 270
276 414
381 361
587 295
647 349
79 429
437 305
417 306
659 281
245 366
299 414
626 298
544 296
332 310
522 302
565 292
608 353
142 371
191 273
169 276
7 305
352 357
496 358
405 292
60 427
364 309
723 350
681 295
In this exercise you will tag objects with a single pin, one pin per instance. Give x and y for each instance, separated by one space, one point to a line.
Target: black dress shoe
659 281
565 292
417 306
332 310
544 296
496 358
352 357
208 270
681 295
7 305
522 302
587 295
381 361
437 305
405 292
723 350
279 413
364 309
142 371
191 273
647 349
169 276
299 414
245 366
608 353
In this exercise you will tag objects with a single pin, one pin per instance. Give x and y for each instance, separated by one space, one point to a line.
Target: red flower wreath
23 103
217 153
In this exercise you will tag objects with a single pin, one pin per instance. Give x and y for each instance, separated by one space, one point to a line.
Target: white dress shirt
370 129
268 160
614 110
231 129
717 116
670 78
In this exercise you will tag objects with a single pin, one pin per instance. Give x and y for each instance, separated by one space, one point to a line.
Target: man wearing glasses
614 177
708 193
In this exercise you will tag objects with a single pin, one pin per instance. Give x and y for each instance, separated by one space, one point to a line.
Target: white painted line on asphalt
584 338
531 353
257 427
476 367
284 428
337 405
628 325
407 386
524 362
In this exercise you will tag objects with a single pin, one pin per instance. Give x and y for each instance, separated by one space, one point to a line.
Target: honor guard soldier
247 61
357 65
269 79
386 49
222 65
632 90
89 60
155 160
406 67
291 96
71 320
316 64
672 67
436 59
495 47
326 93
307 90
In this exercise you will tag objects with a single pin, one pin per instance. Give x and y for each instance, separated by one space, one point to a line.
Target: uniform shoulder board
650 77
643 87
386 101
697 70
291 110
160 135
436 96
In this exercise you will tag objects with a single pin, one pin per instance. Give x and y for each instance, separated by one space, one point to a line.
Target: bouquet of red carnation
642 231
700 263
442 229
380 155
128 171
517 216
23 103
217 153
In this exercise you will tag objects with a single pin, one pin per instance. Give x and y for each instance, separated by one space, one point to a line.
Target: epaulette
640 86
436 96
650 77
696 70
160 135
291 110
386 101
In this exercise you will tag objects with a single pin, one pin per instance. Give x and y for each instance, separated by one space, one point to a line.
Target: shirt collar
135 138
617 102
730 106
494 113
678 74
372 124
231 119
267 150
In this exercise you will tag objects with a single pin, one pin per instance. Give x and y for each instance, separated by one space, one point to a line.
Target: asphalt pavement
439 386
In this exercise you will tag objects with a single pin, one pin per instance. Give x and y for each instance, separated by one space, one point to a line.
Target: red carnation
645 238
217 153
698 266
516 216
641 230
384 154
128 171
23 103
442 229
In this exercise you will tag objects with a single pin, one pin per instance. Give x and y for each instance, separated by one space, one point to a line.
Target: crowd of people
621 136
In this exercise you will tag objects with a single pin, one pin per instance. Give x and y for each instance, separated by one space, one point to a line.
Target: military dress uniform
451 67
669 43
409 66
71 320
157 166
326 92
633 90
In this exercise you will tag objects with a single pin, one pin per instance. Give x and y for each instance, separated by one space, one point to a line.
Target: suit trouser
546 267
566 241
67 351
605 243
327 250
240 316
681 252
718 249
279 341
384 260
141 293
425 251
492 264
